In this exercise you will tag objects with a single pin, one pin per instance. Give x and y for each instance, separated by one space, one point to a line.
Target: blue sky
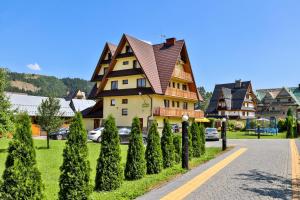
226 40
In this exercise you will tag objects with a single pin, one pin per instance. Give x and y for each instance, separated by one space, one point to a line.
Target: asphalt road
263 171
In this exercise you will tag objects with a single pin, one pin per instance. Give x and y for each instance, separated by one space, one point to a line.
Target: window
184 87
112 102
109 56
125 82
167 103
125 62
173 84
128 49
178 85
114 85
134 64
173 103
178 104
141 82
278 100
290 100
185 105
105 69
124 101
124 111
169 84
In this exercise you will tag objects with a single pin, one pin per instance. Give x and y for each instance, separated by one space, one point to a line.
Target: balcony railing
174 112
182 75
174 92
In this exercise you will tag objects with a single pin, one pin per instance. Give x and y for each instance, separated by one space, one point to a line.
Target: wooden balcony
174 92
182 75
175 112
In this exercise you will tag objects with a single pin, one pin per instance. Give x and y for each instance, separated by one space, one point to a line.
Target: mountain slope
41 85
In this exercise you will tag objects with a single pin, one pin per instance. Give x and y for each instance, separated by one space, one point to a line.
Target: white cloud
35 67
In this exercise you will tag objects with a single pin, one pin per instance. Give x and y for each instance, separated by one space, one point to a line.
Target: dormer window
141 82
125 62
105 69
109 56
134 64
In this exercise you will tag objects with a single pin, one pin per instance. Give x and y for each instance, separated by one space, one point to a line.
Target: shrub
196 140
290 127
282 125
109 171
177 145
167 146
153 151
191 150
75 170
135 164
202 136
21 178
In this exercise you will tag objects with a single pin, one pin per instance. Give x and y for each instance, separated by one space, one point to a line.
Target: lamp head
185 117
224 119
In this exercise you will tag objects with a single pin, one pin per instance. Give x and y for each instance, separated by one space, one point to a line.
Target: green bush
196 140
153 151
167 146
282 125
135 164
202 136
21 177
74 181
178 145
191 150
109 172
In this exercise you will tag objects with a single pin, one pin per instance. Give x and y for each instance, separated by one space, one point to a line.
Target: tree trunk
48 146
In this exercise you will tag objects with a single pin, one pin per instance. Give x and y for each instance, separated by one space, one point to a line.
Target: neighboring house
77 94
276 102
26 103
152 82
234 100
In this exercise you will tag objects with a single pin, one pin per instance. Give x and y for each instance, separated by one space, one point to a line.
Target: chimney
170 41
238 83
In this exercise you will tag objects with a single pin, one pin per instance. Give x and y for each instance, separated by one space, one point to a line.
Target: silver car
95 135
211 134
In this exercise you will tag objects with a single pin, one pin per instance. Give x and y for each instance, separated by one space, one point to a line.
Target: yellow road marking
196 182
295 170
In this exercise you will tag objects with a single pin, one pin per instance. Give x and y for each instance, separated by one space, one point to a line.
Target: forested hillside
41 85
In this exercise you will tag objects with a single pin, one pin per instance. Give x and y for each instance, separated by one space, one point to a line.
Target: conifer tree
196 140
21 177
109 172
75 170
191 150
202 136
167 146
177 144
135 164
290 124
153 151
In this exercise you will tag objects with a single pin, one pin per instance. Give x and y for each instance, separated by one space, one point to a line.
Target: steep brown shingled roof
166 57
145 56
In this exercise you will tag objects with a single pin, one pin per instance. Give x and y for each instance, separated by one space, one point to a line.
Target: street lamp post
185 142
223 134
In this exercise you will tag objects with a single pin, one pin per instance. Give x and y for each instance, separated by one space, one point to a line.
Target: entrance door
141 123
96 123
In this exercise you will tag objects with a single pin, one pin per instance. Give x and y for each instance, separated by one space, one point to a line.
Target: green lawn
252 135
49 161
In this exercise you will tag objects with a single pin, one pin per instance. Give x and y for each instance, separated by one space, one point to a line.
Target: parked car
124 134
95 135
211 134
175 128
61 134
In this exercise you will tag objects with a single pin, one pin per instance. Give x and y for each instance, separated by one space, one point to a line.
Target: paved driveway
261 172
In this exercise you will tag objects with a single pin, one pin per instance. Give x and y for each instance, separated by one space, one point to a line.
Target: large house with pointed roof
233 100
275 102
152 82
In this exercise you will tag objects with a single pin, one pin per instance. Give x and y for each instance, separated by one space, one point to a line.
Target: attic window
125 62
109 56
128 49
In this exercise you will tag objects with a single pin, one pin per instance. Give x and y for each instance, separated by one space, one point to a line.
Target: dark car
124 134
175 128
61 134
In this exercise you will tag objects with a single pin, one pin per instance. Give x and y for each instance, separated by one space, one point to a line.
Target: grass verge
49 161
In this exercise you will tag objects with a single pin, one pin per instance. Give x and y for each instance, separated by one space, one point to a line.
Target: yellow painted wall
88 123
101 72
120 66
132 82
137 106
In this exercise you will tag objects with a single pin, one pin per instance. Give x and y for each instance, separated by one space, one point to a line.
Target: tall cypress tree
191 150
153 151
167 146
75 170
202 136
21 177
135 164
177 144
196 140
109 171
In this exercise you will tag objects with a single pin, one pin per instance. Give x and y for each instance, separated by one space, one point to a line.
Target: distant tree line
206 98
48 85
